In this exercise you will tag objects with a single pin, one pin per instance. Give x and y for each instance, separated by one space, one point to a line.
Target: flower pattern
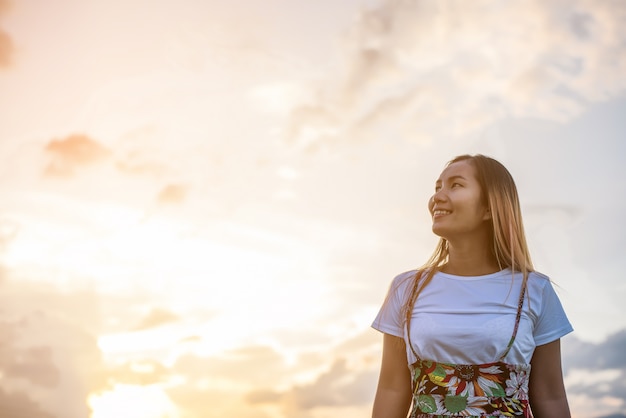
443 390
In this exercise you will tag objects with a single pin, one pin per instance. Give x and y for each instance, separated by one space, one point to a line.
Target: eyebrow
452 178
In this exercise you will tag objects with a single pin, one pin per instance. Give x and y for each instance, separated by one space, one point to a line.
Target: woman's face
456 207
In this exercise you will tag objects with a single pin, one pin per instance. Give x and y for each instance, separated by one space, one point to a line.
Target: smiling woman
252 172
472 321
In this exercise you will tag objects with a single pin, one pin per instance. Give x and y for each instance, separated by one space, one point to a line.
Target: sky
203 203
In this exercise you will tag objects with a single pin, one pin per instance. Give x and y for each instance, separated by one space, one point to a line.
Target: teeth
441 212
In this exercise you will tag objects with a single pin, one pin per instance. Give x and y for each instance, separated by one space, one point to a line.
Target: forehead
459 169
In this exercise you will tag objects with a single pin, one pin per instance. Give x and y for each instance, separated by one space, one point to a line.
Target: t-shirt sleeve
389 319
552 322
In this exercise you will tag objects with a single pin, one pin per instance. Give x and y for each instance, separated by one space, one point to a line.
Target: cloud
46 351
215 386
248 366
617 390
338 387
141 373
8 231
157 317
191 339
172 193
6 49
34 364
54 361
18 404
608 354
137 166
6 43
213 403
138 152
235 382
72 152
596 370
435 70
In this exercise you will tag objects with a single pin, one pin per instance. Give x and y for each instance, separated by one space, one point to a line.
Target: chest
469 323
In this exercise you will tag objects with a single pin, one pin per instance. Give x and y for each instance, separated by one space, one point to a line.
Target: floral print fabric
442 390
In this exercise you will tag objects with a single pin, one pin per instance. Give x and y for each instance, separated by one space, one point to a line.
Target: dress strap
520 303
518 316
407 323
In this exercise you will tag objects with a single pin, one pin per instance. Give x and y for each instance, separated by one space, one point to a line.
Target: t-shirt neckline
483 277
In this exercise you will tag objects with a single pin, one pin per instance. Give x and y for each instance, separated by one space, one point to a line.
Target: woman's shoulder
406 275
538 275
538 280
400 281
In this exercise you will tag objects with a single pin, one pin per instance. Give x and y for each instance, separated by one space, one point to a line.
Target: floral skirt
442 390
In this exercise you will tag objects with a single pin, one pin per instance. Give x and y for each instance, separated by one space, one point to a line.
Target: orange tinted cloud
34 364
172 193
141 373
6 44
213 403
157 317
132 166
18 404
6 48
45 352
339 386
251 365
72 152
140 156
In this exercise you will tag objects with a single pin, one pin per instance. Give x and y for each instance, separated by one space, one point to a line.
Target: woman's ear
487 214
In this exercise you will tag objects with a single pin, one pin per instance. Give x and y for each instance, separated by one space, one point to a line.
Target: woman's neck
470 259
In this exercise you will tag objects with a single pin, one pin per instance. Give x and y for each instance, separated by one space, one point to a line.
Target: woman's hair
499 193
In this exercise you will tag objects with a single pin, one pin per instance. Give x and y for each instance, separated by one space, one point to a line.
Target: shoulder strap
518 316
520 303
407 323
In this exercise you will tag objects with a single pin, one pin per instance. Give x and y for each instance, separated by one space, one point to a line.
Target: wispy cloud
157 317
141 373
424 70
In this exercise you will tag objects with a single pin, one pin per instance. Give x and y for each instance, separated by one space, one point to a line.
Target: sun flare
132 401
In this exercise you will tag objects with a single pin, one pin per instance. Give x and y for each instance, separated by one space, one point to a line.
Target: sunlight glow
132 401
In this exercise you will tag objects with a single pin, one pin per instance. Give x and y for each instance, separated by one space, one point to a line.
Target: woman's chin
439 231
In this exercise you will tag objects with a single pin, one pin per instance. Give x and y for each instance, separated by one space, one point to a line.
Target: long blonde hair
509 249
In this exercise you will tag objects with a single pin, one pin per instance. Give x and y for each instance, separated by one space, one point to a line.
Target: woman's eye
456 185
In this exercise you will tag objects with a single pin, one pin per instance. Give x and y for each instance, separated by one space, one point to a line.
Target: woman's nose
439 196
436 198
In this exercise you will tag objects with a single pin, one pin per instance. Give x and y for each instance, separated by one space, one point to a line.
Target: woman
472 322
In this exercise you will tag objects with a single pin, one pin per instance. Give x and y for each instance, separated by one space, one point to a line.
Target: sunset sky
203 202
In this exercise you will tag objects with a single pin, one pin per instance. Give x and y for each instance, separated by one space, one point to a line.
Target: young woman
476 318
